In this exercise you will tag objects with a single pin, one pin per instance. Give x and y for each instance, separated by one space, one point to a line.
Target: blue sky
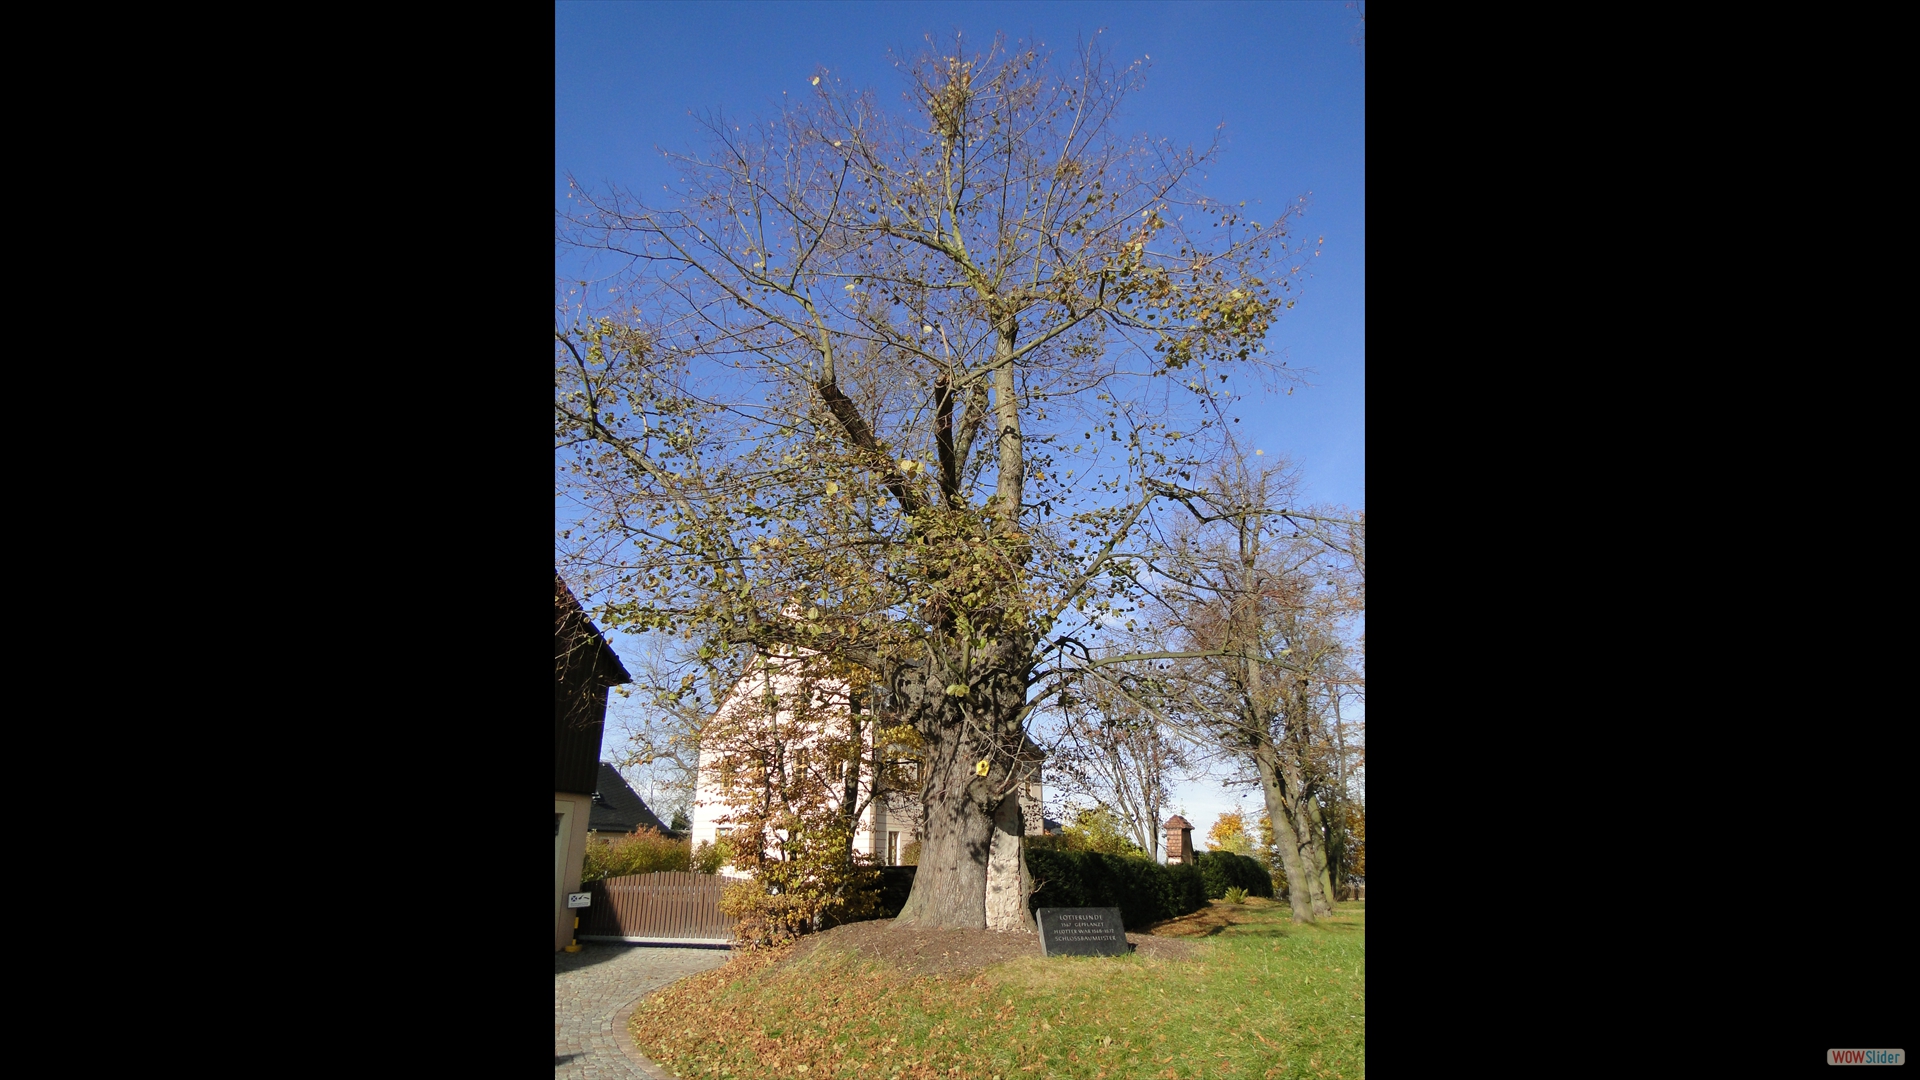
1287 80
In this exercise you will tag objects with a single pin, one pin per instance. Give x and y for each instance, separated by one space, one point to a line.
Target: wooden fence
672 908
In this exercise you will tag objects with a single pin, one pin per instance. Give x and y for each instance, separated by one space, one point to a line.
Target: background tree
1251 595
654 731
1266 848
1109 749
1229 833
1097 829
895 387
1357 826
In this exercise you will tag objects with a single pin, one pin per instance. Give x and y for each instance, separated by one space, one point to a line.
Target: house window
893 849
837 770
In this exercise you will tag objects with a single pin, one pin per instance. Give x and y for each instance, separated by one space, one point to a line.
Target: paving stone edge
624 1039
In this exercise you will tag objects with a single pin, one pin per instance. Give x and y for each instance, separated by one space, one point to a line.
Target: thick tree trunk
1007 869
973 871
956 836
1267 760
1323 859
1312 861
950 887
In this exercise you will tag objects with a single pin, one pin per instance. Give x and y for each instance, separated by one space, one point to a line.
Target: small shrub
643 851
817 881
709 857
1236 895
765 918
910 855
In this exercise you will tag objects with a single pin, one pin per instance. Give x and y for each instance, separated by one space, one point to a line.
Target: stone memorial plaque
1082 931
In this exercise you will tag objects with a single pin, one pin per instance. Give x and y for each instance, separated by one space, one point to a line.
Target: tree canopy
898 386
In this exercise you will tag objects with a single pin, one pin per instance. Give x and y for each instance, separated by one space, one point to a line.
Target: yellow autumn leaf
833 488
816 80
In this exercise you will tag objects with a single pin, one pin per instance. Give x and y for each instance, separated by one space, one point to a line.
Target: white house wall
895 811
709 805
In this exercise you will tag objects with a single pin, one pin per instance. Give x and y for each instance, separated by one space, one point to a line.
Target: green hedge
1144 891
896 884
1223 870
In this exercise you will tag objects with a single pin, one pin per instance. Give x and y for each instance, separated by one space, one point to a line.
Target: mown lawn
1263 999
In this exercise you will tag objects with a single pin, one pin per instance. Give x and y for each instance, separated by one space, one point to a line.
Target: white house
890 822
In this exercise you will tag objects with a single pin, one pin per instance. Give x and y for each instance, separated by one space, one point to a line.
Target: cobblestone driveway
591 991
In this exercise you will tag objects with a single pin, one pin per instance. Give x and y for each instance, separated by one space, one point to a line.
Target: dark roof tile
617 808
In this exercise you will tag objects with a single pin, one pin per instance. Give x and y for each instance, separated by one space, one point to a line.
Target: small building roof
1178 822
617 808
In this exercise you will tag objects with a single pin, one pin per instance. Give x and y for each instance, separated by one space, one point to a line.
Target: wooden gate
672 908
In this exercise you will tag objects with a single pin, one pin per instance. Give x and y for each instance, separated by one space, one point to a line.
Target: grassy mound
1261 998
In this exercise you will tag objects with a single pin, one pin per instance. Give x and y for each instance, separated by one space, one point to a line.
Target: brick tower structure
1179 840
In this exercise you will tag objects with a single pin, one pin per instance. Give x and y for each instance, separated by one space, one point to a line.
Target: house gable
584 666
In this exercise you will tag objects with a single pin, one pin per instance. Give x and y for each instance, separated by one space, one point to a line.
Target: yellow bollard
574 945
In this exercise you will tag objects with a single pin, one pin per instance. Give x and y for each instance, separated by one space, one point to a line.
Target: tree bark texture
973 871
1322 857
1267 761
956 836
1007 868
1312 861
1006 407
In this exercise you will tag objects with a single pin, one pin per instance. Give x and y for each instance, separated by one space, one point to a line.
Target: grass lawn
1263 998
